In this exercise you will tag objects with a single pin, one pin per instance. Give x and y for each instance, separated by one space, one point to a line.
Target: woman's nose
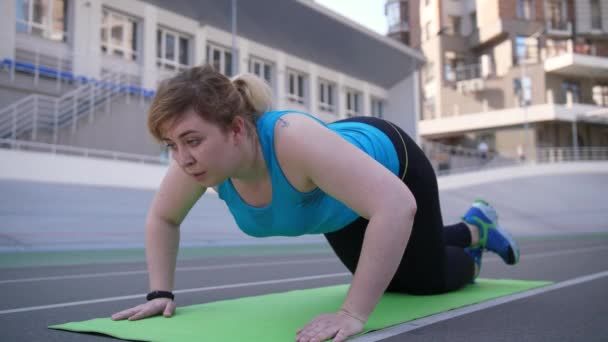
183 158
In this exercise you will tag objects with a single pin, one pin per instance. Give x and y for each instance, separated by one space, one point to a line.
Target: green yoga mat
276 317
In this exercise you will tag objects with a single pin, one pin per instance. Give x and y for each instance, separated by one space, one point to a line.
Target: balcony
470 78
487 33
558 27
402 26
575 60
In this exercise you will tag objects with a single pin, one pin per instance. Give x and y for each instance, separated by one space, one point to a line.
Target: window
557 14
572 88
473 17
429 73
261 69
600 95
454 64
454 22
119 35
44 18
596 15
526 49
295 86
524 9
352 103
523 90
429 107
327 96
427 30
377 108
393 13
172 50
220 58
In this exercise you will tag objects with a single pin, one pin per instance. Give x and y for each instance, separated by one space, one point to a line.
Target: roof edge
386 40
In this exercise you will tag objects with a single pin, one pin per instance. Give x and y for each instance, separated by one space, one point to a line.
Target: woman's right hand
154 307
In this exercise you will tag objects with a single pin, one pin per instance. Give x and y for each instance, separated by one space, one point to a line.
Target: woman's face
202 149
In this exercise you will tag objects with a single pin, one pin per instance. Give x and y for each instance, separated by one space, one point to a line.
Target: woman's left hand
338 325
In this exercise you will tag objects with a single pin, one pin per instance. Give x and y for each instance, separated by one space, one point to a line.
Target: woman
361 181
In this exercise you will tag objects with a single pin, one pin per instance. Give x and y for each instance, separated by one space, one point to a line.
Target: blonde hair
212 96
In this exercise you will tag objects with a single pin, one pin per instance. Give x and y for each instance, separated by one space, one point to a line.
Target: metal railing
34 114
448 159
32 146
468 72
558 24
568 154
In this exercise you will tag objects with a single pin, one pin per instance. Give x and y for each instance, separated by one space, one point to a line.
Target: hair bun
255 92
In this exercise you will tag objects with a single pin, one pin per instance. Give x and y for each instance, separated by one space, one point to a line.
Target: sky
369 13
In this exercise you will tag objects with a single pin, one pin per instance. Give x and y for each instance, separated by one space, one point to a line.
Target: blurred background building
516 75
524 78
82 72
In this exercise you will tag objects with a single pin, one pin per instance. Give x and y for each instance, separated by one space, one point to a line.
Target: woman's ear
238 127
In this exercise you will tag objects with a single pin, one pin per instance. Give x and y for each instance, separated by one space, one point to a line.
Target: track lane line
179 269
490 258
198 289
422 322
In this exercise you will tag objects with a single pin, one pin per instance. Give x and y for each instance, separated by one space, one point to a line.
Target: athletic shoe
491 236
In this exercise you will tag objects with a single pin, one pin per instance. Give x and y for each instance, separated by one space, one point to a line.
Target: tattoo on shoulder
283 123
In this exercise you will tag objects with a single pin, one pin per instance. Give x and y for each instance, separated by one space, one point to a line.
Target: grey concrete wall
402 108
498 93
121 128
24 85
508 139
7 29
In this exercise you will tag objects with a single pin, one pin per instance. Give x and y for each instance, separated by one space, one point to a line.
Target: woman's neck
253 169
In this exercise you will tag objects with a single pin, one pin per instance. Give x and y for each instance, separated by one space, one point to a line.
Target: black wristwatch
160 294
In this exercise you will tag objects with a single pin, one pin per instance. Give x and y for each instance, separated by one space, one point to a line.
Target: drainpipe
234 59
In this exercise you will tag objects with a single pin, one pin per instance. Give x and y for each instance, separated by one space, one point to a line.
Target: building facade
516 74
317 62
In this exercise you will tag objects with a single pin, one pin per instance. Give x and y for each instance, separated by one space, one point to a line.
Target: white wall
8 29
86 40
403 106
85 21
46 167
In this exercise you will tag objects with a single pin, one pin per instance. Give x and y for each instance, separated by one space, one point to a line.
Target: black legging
434 260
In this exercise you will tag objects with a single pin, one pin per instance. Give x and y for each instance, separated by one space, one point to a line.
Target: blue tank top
291 212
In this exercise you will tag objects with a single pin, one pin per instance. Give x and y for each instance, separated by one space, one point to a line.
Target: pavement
74 252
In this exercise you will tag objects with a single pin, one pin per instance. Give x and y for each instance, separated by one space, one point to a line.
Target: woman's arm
354 178
177 194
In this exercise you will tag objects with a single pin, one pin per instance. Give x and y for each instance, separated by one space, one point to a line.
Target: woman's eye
170 146
193 142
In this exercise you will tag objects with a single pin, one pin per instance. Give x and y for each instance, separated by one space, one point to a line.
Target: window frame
224 67
327 95
299 86
600 94
253 60
574 87
176 64
47 31
596 15
521 6
353 99
455 25
377 107
109 48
